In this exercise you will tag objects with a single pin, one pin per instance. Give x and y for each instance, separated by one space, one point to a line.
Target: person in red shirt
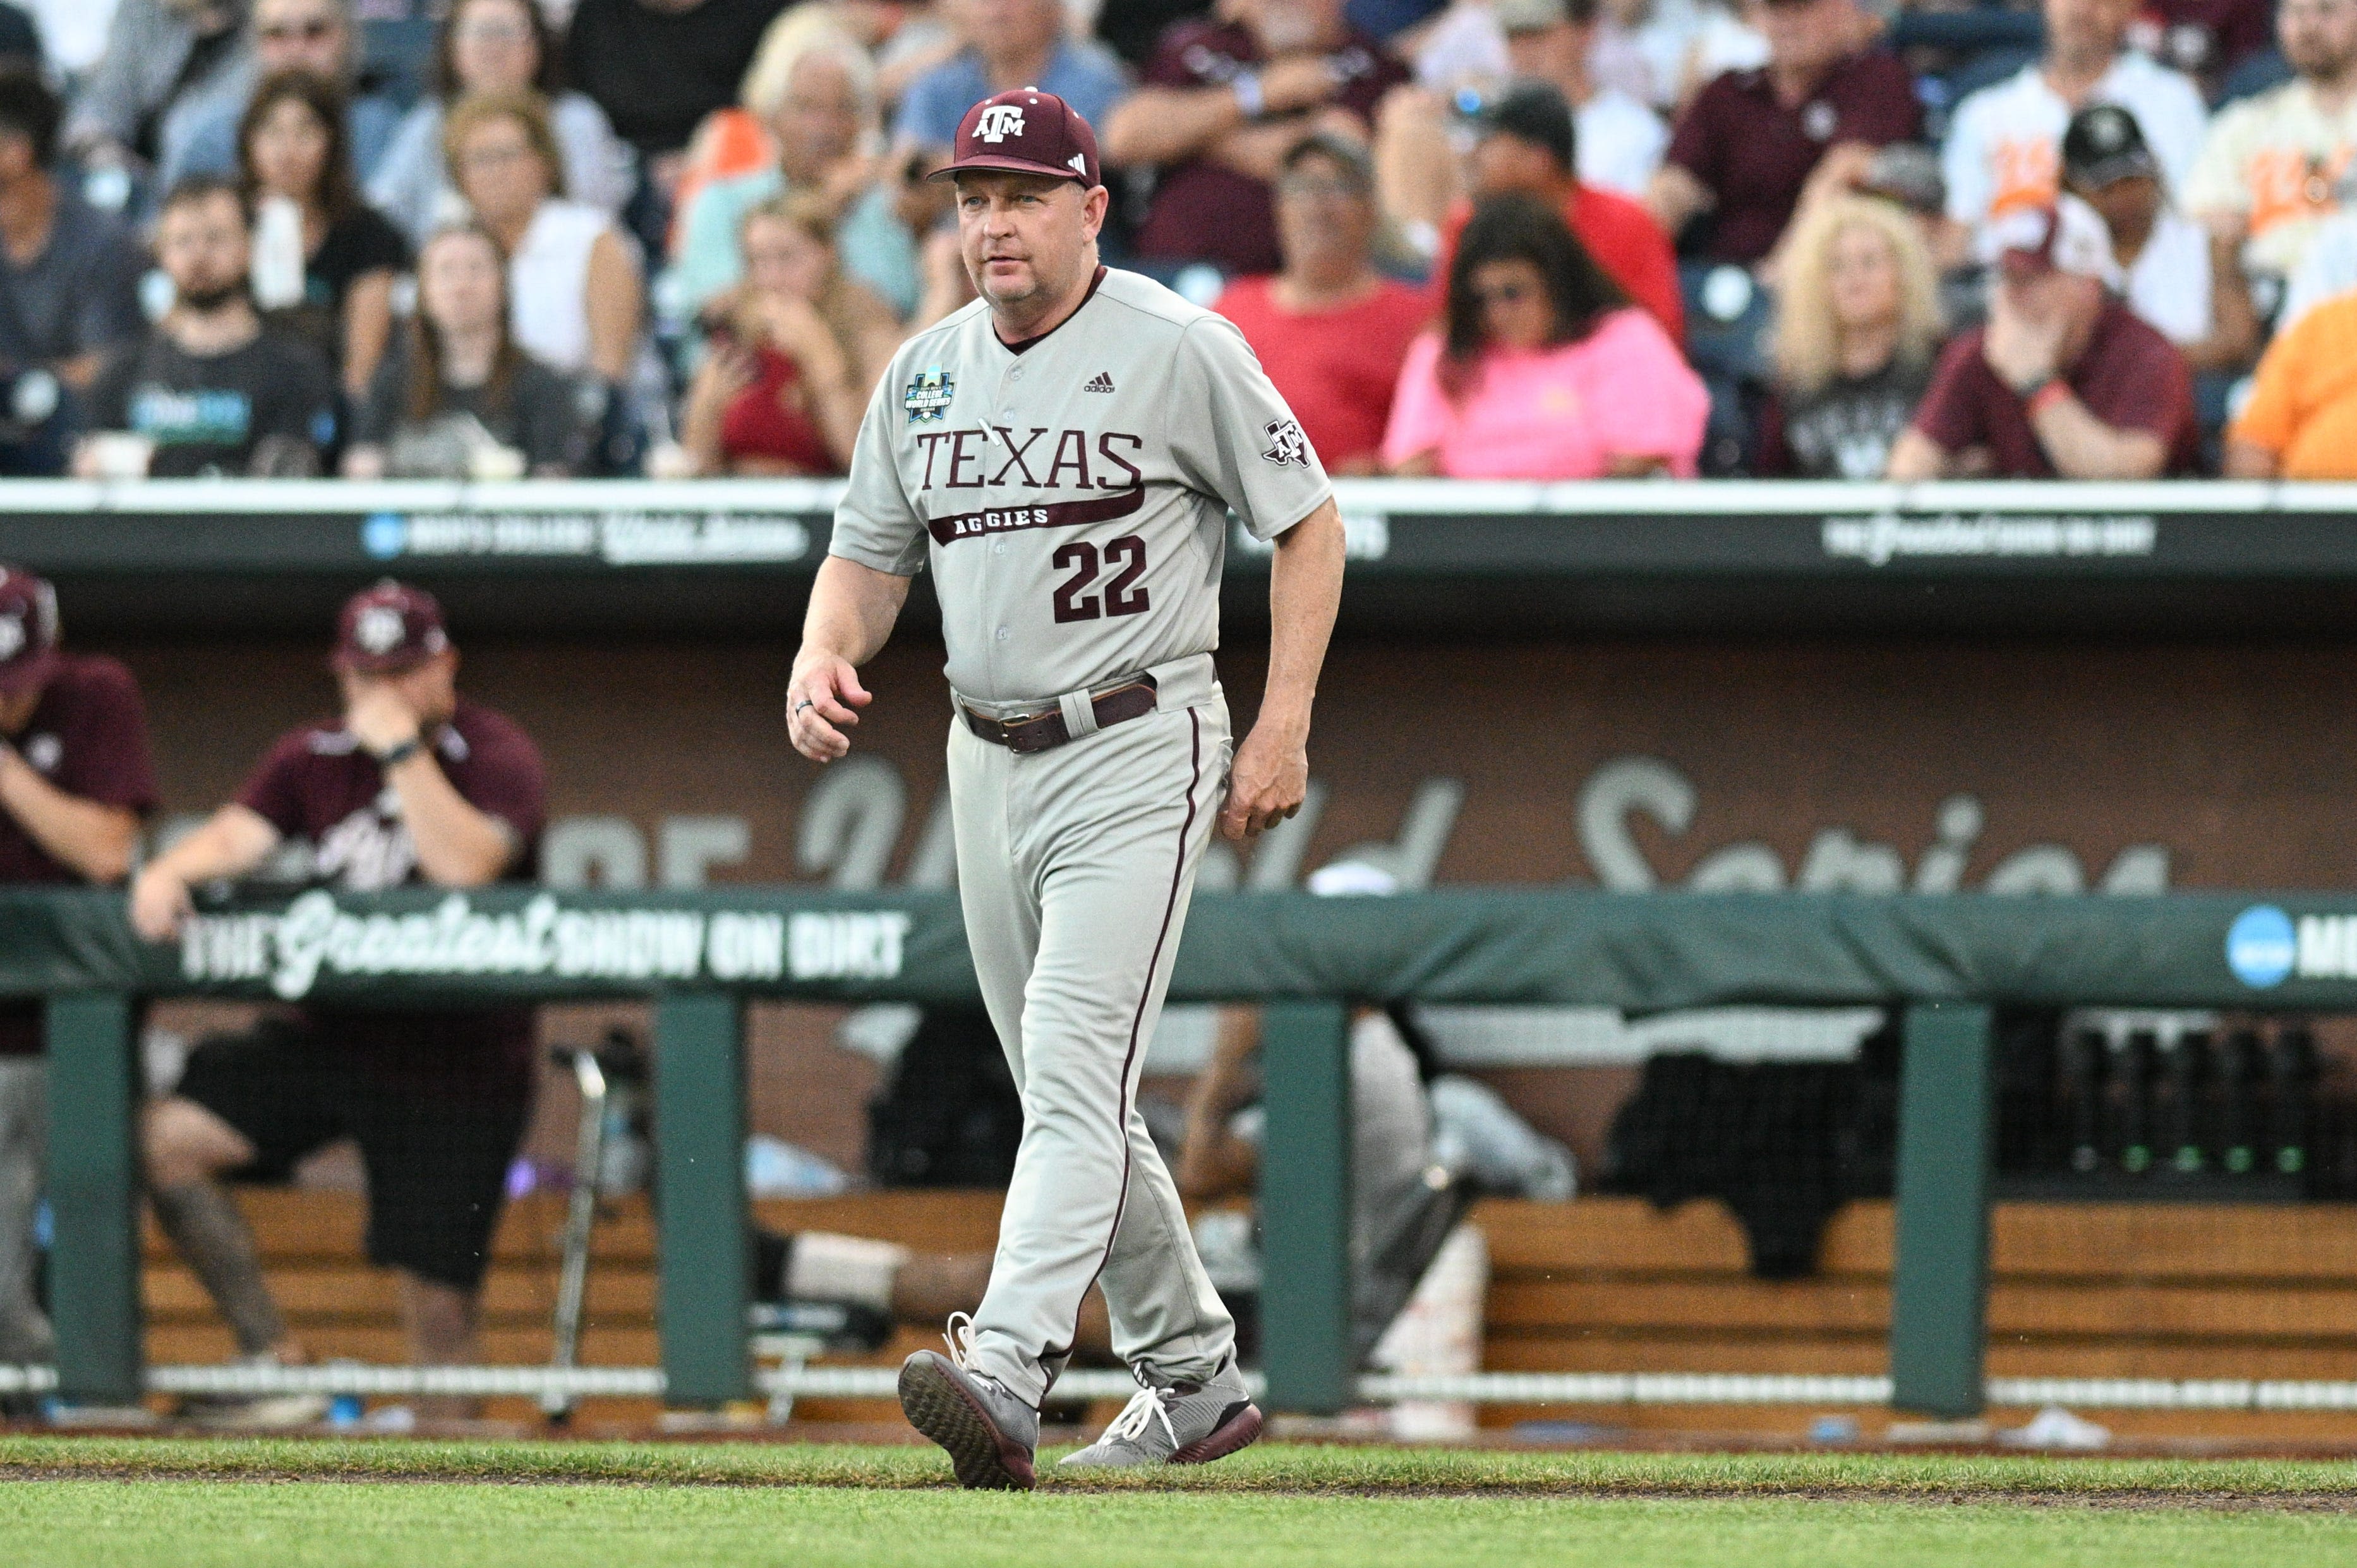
1221 104
1330 329
411 784
2064 381
1748 146
75 779
1529 147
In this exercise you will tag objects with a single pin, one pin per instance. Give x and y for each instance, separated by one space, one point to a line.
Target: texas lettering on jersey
1072 500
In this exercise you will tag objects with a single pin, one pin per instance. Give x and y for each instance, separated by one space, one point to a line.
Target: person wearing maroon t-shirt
412 783
1529 146
1330 329
75 780
1221 106
1752 142
2064 381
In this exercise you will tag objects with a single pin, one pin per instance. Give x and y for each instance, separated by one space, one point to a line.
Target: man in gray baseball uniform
1063 453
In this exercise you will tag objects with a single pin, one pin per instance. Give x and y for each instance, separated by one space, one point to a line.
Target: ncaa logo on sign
999 121
2261 947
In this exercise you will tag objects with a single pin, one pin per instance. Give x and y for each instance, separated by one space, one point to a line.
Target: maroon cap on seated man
408 783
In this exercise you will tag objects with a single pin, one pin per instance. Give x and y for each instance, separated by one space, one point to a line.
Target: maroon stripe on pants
1138 1021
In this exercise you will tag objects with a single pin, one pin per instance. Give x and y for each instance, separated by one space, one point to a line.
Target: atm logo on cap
2264 946
999 121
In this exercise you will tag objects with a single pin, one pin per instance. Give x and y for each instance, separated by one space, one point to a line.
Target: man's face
1802 34
1549 54
2127 206
301 34
2319 37
817 122
201 246
1288 27
2087 30
1008 27
1323 214
1026 237
1505 164
429 690
2049 298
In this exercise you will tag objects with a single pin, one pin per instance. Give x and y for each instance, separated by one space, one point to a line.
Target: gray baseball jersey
1071 496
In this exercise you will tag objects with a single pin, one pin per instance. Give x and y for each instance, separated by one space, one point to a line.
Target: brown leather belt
1045 732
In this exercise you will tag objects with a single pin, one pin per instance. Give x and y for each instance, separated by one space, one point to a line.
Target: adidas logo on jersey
1103 383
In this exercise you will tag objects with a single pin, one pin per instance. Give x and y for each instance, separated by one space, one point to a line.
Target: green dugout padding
701 953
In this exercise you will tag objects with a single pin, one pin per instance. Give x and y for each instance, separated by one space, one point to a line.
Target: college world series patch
928 397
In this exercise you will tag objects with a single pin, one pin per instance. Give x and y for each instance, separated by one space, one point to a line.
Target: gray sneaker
989 1431
1178 1423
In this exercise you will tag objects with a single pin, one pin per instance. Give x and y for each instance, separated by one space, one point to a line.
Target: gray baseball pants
1075 868
23 1143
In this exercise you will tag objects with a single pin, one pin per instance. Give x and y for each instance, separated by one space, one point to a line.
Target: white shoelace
1131 1424
960 1338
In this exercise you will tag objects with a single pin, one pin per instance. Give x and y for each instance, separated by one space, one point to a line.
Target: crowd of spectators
1791 237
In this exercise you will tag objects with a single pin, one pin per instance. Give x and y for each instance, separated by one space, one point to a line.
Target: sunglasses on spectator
289 32
1503 294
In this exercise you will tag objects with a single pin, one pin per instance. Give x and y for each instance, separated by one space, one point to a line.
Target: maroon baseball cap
28 631
388 628
1025 131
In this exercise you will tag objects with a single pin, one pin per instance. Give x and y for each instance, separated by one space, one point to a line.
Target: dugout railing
1946 959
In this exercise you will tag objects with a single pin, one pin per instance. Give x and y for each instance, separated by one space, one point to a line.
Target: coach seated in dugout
1541 369
212 389
411 784
2063 381
1330 330
75 779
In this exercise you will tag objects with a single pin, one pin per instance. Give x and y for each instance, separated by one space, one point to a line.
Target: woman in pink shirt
1541 369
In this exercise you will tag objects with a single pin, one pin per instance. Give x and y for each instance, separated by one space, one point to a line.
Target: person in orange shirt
2301 421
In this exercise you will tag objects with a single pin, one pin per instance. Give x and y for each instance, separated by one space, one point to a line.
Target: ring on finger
805 702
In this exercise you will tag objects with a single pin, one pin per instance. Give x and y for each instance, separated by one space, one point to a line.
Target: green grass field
257 1504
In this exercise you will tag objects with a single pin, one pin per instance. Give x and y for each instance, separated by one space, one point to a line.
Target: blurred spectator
1621 139
2301 420
1660 51
1221 106
2270 168
1331 331
2004 147
658 67
68 279
321 258
2327 270
75 779
793 358
2206 39
1858 324
1540 370
317 36
210 389
827 106
410 784
65 36
1007 43
575 296
2178 278
2063 381
1134 29
457 398
171 68
496 46
1753 142
1528 148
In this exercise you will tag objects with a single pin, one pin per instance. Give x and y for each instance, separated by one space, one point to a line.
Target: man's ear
1093 207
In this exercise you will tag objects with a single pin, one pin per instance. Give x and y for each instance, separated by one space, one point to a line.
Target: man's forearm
2082 446
1166 125
92 840
1305 589
458 845
233 841
852 609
